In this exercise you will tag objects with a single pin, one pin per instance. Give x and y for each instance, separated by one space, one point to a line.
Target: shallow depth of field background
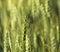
29 25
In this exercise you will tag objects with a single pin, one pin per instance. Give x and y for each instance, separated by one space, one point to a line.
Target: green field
29 25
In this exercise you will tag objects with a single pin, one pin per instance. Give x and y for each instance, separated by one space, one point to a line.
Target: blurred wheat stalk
29 26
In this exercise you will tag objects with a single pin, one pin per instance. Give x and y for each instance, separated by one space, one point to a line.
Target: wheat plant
29 25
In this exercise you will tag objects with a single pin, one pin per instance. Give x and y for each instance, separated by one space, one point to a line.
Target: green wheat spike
29 26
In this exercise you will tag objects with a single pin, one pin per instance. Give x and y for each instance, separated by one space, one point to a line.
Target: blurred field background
29 25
